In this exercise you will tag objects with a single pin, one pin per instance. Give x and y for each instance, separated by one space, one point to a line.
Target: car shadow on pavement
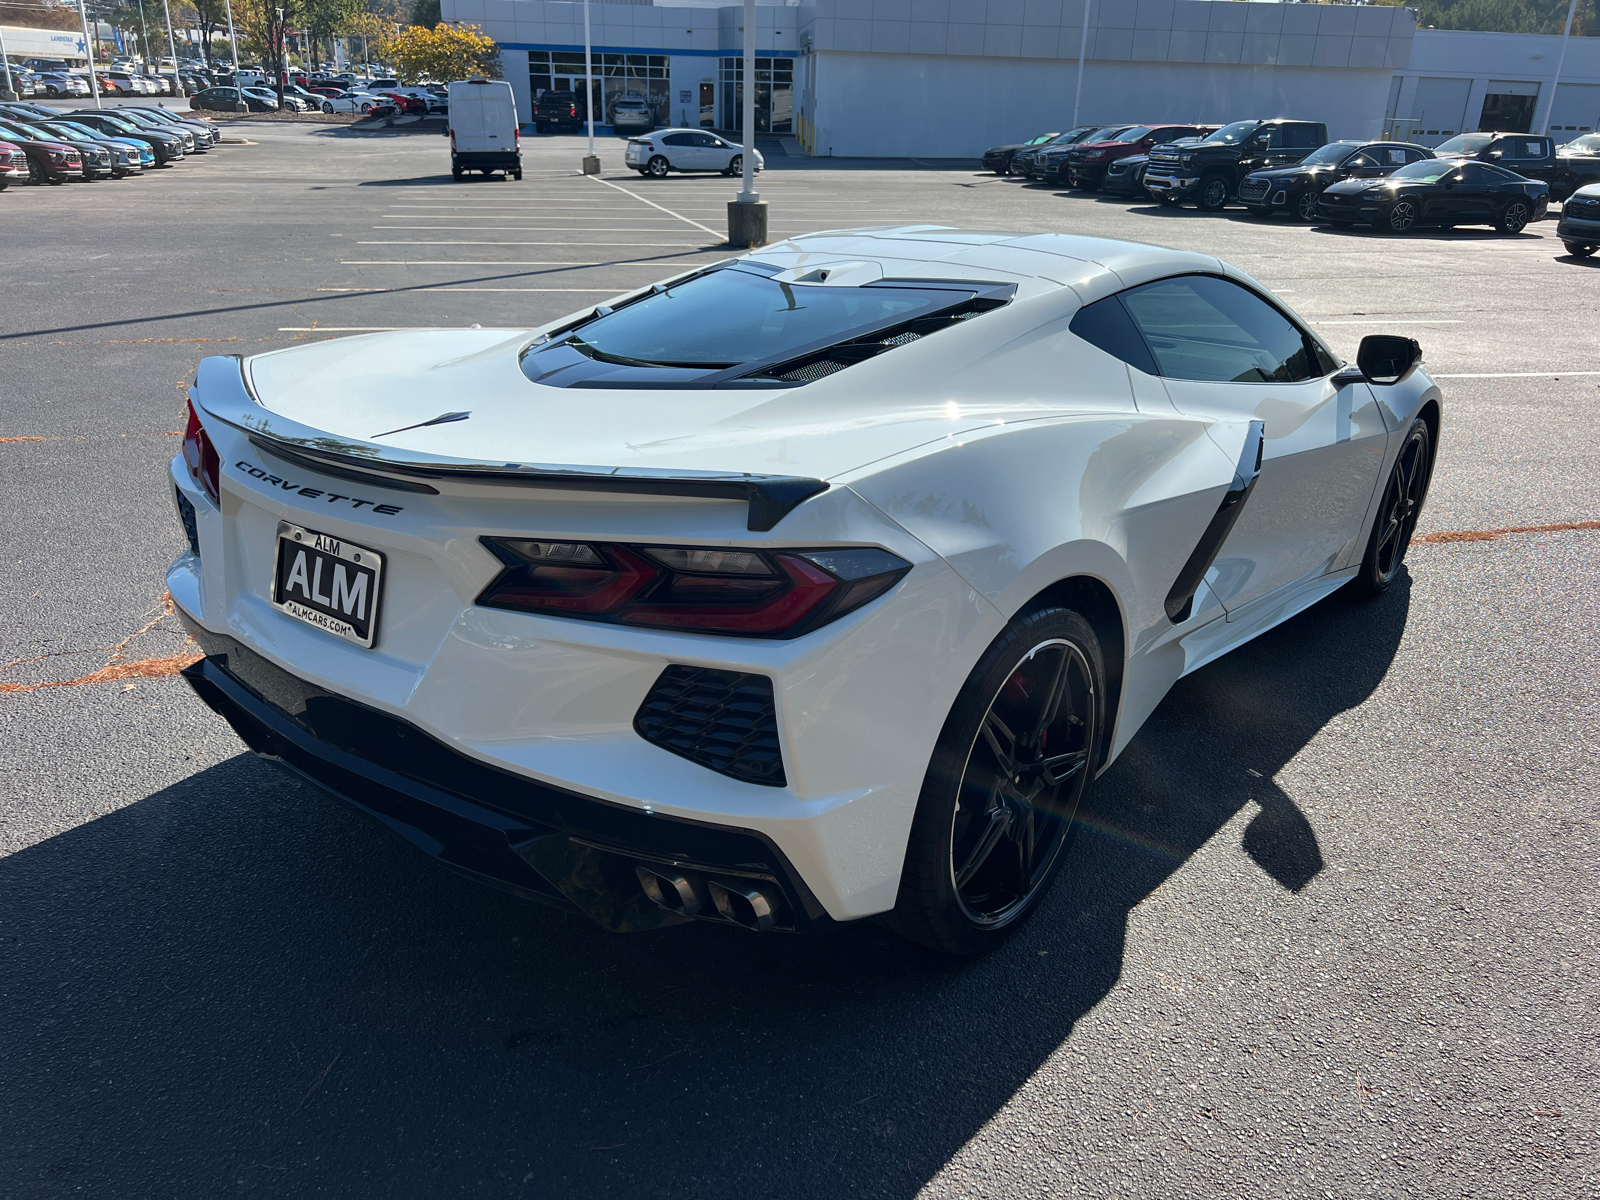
236 983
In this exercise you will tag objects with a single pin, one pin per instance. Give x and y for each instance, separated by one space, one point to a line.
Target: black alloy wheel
1305 205
1402 215
1579 249
1398 511
1514 217
999 804
658 167
1213 194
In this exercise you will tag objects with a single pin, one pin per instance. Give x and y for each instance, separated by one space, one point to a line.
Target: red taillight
572 110
749 593
452 141
201 457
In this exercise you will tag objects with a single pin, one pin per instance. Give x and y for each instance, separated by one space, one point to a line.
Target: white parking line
611 291
1511 375
669 245
484 262
343 328
654 205
1391 321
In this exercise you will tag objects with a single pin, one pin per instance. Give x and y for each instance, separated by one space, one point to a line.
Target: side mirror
1386 359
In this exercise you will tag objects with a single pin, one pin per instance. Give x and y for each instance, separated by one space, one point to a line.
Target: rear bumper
486 158
536 841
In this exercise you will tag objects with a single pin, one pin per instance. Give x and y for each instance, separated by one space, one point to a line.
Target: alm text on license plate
327 582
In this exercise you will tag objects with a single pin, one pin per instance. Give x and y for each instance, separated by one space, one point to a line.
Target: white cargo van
483 128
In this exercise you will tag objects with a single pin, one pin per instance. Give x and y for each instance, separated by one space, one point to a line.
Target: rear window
739 317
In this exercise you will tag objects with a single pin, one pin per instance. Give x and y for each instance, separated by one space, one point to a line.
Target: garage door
1440 109
1577 110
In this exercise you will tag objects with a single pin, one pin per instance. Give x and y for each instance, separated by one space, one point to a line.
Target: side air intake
724 720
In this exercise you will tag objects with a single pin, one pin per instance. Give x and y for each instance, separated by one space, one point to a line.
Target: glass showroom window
774 94
616 77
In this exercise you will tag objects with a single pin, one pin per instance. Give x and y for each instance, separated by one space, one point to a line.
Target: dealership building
945 78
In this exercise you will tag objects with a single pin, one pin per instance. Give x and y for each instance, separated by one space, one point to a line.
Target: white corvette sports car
814 585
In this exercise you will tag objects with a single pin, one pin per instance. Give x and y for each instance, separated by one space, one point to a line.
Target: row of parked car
328 98
1270 166
40 145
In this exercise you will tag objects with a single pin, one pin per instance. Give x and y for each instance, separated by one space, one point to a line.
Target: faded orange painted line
144 668
1488 535
115 669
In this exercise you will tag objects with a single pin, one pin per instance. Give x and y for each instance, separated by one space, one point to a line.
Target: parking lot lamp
88 48
591 161
172 49
747 214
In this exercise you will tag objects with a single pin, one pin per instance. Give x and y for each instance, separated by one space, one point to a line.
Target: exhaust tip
744 903
670 890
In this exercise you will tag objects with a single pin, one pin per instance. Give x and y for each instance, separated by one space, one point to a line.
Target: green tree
1504 16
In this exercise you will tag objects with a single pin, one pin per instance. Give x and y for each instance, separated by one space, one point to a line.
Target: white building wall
878 105
1488 62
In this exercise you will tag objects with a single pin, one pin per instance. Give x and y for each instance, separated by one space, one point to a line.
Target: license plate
328 582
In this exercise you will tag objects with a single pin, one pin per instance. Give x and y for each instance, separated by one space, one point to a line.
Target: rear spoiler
220 391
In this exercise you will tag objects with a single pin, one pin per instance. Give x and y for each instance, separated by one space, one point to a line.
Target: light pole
1561 61
1083 47
591 161
233 45
144 36
6 63
88 48
747 213
172 49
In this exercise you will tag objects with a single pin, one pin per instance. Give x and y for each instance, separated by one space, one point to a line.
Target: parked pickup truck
1531 155
557 110
1577 165
1207 174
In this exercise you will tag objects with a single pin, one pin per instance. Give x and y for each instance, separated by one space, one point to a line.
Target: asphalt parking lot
1331 930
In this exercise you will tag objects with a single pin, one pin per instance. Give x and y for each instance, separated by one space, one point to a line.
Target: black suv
1296 188
1208 174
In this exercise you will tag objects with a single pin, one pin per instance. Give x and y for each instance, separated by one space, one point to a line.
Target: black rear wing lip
220 391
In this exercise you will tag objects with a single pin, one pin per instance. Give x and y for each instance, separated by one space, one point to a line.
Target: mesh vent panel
724 720
813 371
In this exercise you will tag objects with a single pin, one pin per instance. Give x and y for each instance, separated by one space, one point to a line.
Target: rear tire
1398 510
658 167
1514 217
1579 249
457 173
998 810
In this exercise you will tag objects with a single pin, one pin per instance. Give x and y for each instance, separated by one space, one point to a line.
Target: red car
13 165
1086 163
406 104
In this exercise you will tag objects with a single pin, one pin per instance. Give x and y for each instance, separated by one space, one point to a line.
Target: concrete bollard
747 224
591 164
